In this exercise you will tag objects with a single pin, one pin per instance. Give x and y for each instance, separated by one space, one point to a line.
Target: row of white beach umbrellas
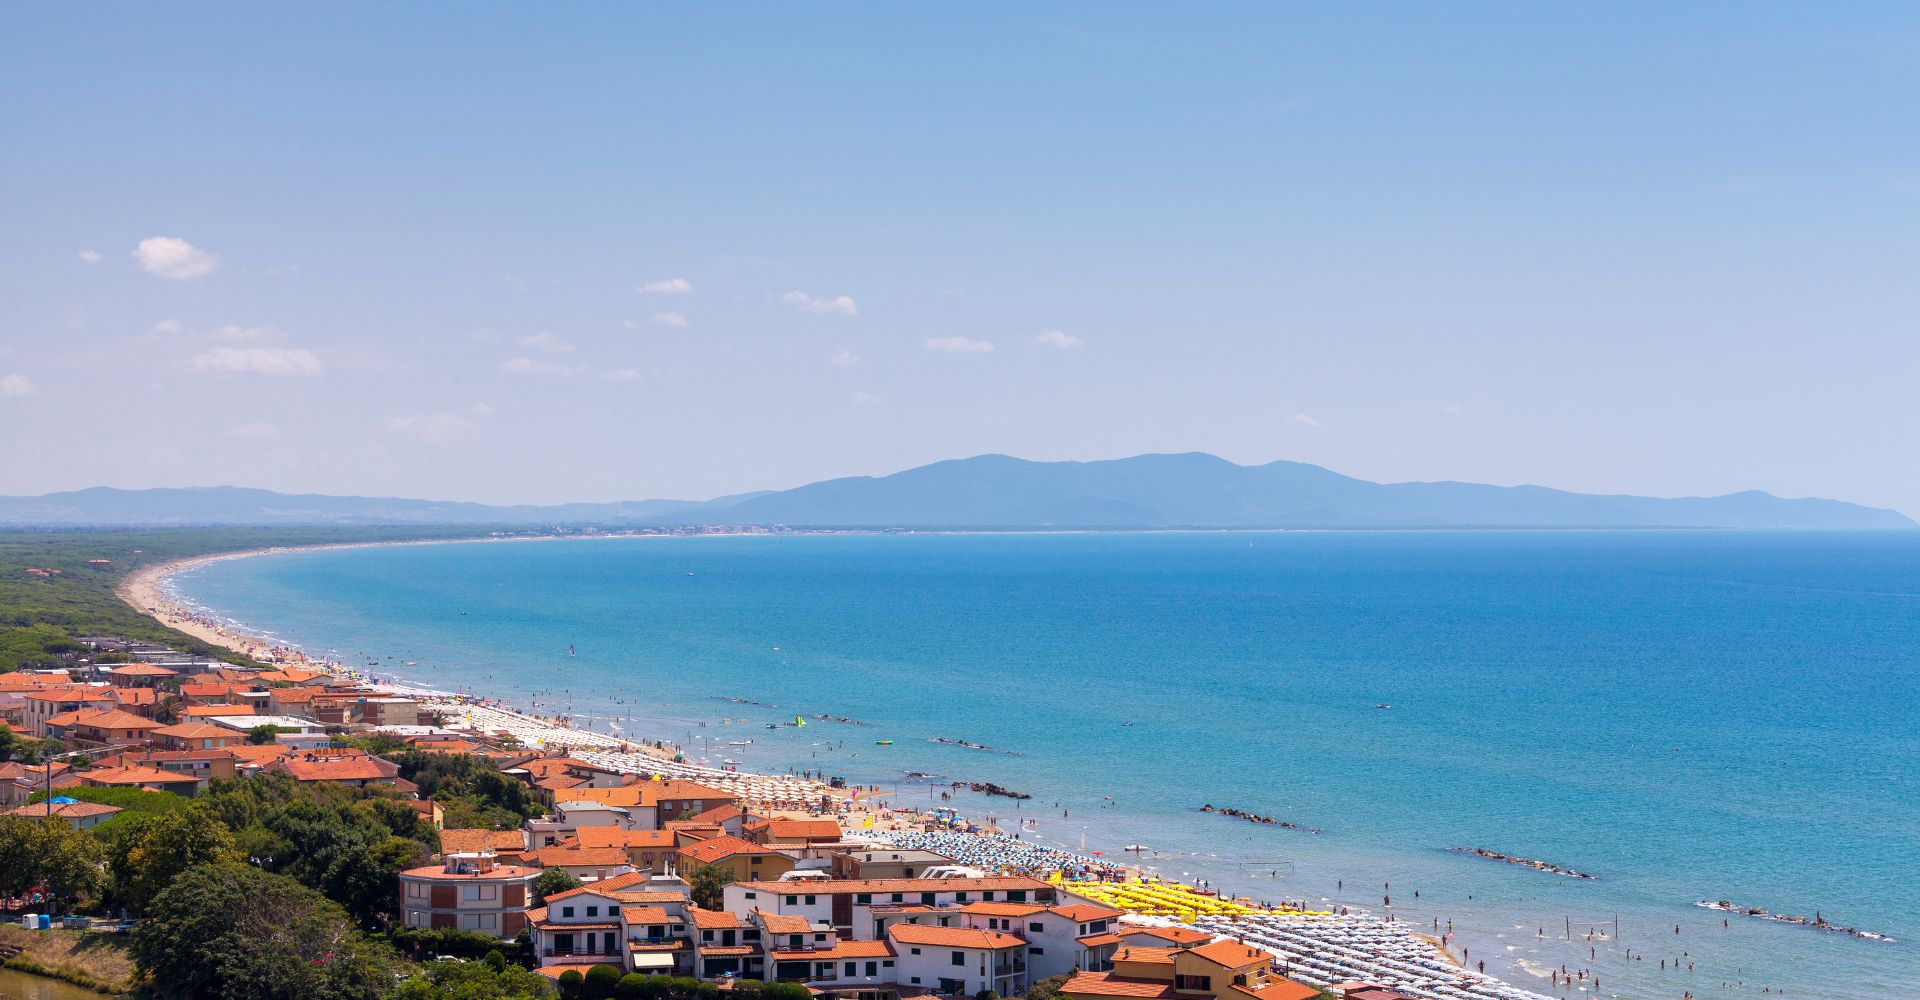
1335 948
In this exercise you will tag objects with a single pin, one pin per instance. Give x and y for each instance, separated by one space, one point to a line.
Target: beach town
846 890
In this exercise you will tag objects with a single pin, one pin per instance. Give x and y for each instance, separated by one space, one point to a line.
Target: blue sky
1650 248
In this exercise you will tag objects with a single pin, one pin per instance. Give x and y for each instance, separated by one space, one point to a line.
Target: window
1036 951
614 910
886 963
706 935
1016 895
916 980
959 958
916 951
873 968
593 911
851 967
811 900
793 900
566 911
863 898
988 895
959 897
1036 926
899 898
752 895
926 899
1200 984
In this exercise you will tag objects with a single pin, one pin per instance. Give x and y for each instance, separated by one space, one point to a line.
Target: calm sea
1687 715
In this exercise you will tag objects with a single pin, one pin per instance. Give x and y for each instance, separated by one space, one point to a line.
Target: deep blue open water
1687 715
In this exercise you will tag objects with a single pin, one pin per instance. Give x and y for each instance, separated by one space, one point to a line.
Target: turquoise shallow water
1688 715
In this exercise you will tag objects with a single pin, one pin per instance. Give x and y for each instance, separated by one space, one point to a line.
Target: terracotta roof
1281 988
1098 940
135 696
556 971
1178 935
825 886
64 810
291 696
1151 956
643 915
1231 954
1106 984
439 873
607 836
478 841
1004 909
728 950
952 937
712 920
718 814
71 693
142 670
797 829
781 923
840 949
718 848
1081 913
645 793
261 753
135 776
209 711
196 731
597 857
335 765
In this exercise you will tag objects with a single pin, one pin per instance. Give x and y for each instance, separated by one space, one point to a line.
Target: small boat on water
739 743
883 743
1136 848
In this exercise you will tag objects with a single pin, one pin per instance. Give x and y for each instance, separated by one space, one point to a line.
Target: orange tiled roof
335 765
1150 956
607 836
209 711
952 937
104 718
64 810
1004 909
791 829
840 949
718 848
711 920
1106 984
718 814
782 923
142 670
1098 940
550 857
196 731
1281 988
1178 935
1081 913
1231 954
135 776
477 841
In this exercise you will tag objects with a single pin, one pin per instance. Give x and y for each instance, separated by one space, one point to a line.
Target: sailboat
569 649
798 722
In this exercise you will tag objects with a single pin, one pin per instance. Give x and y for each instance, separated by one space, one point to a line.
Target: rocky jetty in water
1514 859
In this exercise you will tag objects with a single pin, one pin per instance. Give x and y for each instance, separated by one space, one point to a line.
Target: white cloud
245 334
482 408
166 326
16 385
530 366
432 428
958 345
865 398
670 286
839 305
172 257
669 319
545 341
1303 420
258 361
92 256
1057 338
1452 409
621 374
256 430
845 359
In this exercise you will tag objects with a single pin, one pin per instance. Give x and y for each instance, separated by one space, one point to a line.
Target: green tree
233 932
50 855
602 980
167 709
262 734
569 983
786 991
552 882
474 981
172 845
706 885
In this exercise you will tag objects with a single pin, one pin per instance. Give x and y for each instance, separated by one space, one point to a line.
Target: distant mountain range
995 491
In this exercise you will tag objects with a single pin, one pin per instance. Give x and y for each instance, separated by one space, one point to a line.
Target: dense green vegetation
40 616
474 793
